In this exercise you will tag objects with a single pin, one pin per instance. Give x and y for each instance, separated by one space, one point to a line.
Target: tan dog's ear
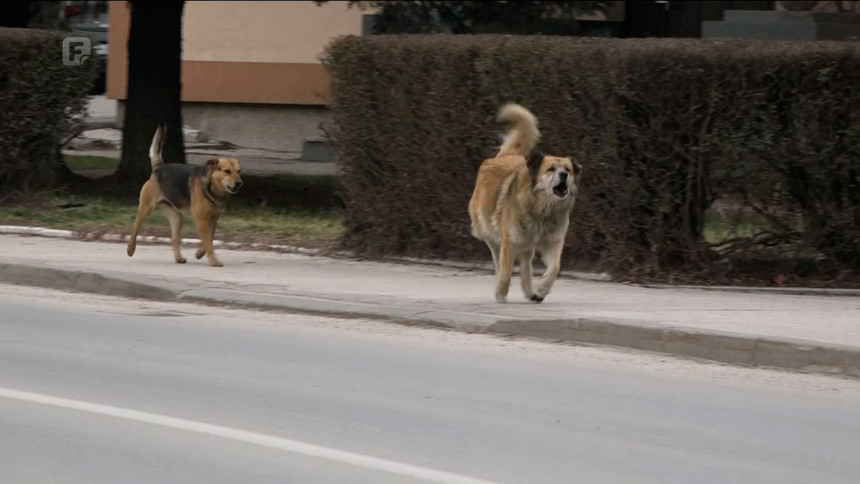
533 162
212 164
577 168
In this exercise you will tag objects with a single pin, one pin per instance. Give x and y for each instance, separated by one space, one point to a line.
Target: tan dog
522 203
177 187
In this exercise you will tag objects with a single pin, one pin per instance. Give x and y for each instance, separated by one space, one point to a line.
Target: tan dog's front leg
494 250
551 256
503 275
526 275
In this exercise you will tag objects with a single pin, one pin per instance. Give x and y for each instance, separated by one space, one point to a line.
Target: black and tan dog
522 203
177 187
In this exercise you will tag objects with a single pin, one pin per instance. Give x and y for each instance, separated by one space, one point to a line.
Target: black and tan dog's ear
212 164
533 162
577 168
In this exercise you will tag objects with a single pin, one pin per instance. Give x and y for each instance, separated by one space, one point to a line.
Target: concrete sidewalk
104 139
106 143
254 162
815 333
101 112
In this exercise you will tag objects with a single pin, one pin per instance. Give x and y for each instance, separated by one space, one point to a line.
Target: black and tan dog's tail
156 146
523 136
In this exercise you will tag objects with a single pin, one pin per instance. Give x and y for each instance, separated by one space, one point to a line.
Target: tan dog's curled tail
524 134
156 146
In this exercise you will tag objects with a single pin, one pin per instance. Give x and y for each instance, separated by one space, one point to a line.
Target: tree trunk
48 16
154 87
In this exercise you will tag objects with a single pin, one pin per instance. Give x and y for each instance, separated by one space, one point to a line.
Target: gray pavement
105 390
811 333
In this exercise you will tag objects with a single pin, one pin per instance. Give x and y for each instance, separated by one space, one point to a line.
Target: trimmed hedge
664 128
42 102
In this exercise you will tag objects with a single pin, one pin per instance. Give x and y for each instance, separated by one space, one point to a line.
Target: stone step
317 149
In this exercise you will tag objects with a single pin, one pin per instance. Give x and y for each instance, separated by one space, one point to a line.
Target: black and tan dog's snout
235 188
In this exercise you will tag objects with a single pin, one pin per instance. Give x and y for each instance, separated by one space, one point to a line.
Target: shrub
664 128
42 102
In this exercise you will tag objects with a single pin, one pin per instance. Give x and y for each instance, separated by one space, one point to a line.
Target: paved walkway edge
587 276
729 348
99 237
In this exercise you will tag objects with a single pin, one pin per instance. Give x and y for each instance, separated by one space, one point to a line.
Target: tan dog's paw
542 292
200 253
216 263
181 260
501 297
130 250
536 298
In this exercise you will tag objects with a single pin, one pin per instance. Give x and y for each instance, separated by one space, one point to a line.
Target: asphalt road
104 390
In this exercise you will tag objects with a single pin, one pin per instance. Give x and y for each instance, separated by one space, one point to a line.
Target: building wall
250 69
247 52
286 32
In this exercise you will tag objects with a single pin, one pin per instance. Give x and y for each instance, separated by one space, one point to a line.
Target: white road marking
264 440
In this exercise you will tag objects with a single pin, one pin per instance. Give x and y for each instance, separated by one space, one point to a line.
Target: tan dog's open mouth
560 190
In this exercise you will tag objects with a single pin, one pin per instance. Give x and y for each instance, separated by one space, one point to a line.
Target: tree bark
154 87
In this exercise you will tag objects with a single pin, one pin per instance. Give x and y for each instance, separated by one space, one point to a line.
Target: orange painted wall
245 52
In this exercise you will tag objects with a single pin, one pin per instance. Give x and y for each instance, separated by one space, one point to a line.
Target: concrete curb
792 291
81 281
36 231
724 347
102 122
93 236
730 348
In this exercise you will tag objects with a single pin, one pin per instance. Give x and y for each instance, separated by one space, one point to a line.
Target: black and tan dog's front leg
148 202
175 218
206 229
